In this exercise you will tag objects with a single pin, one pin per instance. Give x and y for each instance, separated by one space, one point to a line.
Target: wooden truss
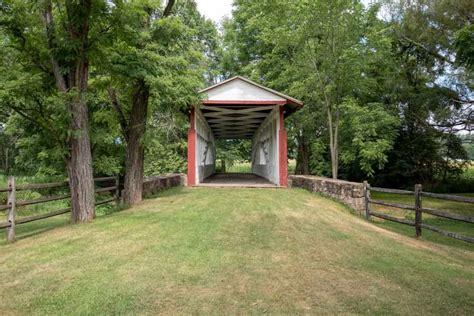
235 121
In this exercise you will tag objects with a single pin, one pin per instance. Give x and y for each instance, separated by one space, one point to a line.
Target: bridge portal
239 108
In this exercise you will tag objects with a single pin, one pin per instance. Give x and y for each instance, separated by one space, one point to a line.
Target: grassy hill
198 250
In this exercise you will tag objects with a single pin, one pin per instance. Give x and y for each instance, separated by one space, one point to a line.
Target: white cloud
215 9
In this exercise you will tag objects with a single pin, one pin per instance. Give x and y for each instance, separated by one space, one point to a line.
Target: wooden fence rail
13 203
419 209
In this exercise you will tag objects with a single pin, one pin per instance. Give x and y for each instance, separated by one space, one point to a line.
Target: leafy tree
154 63
369 133
54 42
326 51
166 143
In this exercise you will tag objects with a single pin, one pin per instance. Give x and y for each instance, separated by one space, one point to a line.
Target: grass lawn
232 251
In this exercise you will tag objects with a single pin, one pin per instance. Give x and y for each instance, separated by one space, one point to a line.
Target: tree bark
223 167
134 165
79 165
333 143
302 159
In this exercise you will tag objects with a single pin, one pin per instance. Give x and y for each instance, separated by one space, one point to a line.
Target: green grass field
232 251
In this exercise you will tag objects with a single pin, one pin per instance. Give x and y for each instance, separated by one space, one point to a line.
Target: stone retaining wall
349 193
155 184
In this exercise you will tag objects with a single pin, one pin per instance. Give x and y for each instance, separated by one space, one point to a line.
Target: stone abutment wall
349 193
155 184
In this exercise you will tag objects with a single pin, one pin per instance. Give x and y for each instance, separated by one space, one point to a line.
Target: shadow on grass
27 230
174 191
31 229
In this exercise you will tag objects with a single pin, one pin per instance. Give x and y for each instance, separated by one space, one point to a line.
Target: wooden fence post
418 206
117 190
366 199
11 212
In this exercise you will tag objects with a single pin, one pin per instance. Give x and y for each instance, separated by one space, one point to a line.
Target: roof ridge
255 84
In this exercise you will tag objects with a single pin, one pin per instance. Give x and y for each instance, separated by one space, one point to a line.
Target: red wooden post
283 155
192 149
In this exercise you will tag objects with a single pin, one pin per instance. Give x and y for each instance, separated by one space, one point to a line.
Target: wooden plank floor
244 180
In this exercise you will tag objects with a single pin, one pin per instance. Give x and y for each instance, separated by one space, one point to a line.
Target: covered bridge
238 108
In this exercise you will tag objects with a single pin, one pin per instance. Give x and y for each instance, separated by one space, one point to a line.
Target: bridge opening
239 109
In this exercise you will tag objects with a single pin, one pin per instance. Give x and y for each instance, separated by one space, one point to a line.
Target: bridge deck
245 180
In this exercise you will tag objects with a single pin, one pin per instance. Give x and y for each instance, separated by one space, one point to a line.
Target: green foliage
130 42
166 144
319 163
231 151
368 135
465 46
468 143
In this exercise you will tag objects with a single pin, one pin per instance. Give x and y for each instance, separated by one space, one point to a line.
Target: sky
215 9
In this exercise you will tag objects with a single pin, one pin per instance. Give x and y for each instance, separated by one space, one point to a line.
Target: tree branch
168 8
118 108
429 51
47 128
50 34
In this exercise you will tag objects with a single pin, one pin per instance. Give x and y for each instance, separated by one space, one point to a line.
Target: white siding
265 157
241 90
205 149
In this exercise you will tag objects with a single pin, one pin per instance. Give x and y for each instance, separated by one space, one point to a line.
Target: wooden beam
235 115
236 120
246 110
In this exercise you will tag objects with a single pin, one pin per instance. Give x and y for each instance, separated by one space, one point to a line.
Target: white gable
240 90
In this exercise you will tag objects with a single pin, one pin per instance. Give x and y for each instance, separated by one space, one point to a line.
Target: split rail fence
419 209
13 203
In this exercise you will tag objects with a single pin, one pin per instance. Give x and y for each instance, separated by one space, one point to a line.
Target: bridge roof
236 107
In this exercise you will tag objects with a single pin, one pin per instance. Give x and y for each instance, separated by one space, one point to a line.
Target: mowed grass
233 251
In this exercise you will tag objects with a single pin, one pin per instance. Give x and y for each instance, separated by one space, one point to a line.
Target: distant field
246 167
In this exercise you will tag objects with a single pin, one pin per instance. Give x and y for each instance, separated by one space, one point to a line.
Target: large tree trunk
135 151
79 165
302 158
